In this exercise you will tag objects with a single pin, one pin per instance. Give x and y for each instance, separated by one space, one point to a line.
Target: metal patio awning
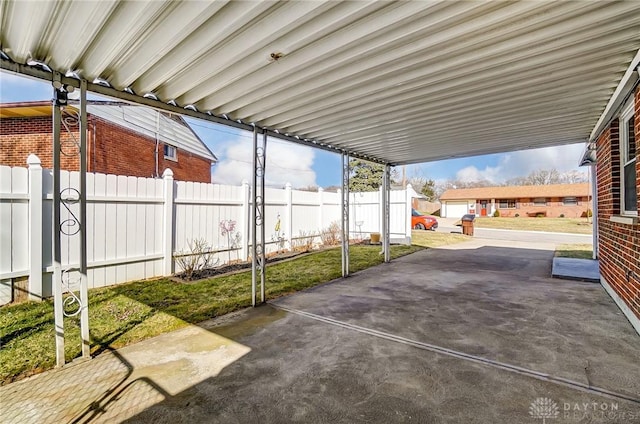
399 82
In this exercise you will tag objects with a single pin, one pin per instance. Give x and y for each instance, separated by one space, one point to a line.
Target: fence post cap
33 160
168 173
287 185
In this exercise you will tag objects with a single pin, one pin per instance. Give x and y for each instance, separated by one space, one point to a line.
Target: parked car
423 222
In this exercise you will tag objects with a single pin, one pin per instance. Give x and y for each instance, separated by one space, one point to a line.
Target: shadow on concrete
111 395
357 350
473 333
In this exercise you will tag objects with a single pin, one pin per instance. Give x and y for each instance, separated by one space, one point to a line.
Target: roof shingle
518 192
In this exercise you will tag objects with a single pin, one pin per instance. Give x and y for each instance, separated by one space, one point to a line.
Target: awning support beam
386 192
344 203
258 258
70 285
35 72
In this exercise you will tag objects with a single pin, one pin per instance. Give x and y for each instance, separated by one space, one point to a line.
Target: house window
507 204
170 152
628 160
540 201
570 201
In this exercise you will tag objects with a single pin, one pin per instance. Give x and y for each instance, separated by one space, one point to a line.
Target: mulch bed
234 268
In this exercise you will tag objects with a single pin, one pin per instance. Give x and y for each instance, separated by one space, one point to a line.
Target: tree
366 176
549 176
574 177
429 190
424 186
453 184
544 177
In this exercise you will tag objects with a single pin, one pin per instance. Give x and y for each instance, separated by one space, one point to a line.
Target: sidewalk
120 384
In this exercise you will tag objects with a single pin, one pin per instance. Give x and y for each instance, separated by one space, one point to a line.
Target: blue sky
303 166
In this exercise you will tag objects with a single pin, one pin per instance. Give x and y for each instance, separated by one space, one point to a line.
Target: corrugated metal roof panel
401 81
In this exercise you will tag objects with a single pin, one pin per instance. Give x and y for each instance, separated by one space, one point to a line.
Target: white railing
135 226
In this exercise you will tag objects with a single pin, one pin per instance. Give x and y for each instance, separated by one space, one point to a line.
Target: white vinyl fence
135 226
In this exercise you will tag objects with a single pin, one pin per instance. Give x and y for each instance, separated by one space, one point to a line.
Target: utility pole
404 177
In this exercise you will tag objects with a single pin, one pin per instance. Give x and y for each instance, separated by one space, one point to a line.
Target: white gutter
628 81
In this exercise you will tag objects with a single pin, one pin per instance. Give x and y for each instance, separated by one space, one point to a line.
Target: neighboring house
122 139
617 163
568 200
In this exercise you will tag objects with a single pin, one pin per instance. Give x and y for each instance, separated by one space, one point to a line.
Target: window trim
515 203
170 148
626 114
575 201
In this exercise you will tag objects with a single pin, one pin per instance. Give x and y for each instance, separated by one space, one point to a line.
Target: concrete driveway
447 225
477 332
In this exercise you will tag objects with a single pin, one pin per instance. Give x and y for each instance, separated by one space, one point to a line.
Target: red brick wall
111 149
554 208
619 244
19 137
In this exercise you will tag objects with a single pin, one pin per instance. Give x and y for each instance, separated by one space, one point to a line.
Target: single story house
613 150
555 200
122 139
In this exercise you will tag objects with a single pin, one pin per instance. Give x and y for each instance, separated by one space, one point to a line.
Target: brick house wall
20 137
553 209
111 149
121 151
619 244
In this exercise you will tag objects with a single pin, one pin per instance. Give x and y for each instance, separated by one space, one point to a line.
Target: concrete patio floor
475 332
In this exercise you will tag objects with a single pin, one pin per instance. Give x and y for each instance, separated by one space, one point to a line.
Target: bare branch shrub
330 236
304 242
198 258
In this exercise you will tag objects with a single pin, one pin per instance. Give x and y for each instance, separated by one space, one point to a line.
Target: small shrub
436 213
304 242
517 215
330 236
587 214
496 214
561 215
199 257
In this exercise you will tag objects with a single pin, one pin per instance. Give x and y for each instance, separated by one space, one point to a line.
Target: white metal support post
57 248
68 280
84 284
386 200
258 258
344 202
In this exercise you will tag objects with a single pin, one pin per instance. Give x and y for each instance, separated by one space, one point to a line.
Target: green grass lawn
433 239
555 225
579 251
131 312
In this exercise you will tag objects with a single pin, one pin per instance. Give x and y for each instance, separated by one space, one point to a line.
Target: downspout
93 146
157 175
594 208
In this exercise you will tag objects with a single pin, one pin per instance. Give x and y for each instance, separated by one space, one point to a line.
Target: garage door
456 209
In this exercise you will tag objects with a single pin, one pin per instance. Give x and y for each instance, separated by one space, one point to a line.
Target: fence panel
125 223
14 246
305 214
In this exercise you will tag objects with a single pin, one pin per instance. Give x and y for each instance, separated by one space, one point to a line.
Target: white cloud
471 173
286 163
522 163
